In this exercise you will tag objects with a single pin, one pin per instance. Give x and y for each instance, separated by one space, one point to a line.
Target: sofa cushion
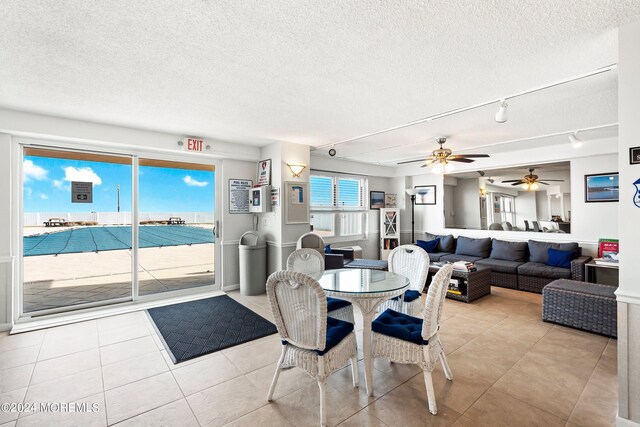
509 251
500 265
538 250
474 247
327 249
558 258
447 242
336 304
435 257
538 269
399 325
456 257
429 245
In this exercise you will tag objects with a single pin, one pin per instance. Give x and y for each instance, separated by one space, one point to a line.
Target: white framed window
338 205
505 208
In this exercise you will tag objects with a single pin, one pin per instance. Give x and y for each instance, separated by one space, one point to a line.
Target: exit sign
192 144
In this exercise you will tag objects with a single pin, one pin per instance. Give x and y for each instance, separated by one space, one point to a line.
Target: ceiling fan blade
429 162
410 161
473 155
517 183
459 159
416 161
545 183
553 180
511 180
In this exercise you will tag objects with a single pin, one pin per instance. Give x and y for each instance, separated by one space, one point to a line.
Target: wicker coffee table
477 283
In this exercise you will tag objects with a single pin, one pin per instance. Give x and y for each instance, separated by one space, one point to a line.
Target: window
338 206
505 208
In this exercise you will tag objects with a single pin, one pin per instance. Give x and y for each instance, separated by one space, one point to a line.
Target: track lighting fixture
501 115
575 141
332 152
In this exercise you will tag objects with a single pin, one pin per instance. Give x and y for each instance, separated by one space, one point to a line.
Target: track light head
332 152
575 141
501 115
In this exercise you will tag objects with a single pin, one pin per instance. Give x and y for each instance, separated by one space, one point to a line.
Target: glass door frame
20 143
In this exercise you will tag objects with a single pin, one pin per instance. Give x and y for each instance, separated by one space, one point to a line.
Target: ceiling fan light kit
530 182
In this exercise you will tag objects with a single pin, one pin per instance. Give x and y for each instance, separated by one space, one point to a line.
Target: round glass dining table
366 289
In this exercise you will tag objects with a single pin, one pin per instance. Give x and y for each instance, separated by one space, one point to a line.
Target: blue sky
47 184
603 181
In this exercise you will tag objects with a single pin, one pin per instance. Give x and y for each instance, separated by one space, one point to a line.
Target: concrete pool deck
52 281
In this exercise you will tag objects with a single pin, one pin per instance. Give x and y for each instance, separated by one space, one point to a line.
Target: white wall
629 289
525 208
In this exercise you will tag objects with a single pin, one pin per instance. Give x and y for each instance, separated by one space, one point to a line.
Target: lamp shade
411 191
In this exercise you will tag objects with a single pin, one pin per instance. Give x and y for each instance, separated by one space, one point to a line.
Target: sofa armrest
347 253
333 261
577 267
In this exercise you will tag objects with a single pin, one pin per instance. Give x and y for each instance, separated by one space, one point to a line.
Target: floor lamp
412 192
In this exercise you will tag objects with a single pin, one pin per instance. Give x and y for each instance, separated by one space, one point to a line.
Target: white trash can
253 264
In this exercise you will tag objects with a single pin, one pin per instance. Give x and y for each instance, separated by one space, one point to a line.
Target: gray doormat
195 328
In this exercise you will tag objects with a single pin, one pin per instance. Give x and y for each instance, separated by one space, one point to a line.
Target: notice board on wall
239 195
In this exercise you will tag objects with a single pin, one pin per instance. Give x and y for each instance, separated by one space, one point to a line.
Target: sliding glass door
176 238
77 229
81 239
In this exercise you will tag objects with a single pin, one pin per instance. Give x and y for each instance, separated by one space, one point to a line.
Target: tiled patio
509 369
69 279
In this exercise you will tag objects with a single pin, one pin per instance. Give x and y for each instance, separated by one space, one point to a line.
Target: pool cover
96 239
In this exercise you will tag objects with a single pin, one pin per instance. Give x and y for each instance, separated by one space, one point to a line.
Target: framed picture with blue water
601 187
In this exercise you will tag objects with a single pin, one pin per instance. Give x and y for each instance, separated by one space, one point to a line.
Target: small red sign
195 144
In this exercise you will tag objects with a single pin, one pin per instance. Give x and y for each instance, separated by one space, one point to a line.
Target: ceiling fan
441 157
531 181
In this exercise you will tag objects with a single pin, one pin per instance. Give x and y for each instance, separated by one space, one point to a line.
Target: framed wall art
601 187
425 194
376 199
296 200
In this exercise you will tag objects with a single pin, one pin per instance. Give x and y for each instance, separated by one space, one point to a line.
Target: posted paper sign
239 195
297 195
81 192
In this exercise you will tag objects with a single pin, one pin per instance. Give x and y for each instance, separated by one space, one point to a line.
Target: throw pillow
558 258
327 249
429 246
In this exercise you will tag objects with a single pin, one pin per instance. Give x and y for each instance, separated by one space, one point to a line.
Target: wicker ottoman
588 306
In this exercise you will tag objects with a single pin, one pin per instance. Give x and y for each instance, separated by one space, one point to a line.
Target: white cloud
59 184
33 171
28 192
82 175
44 196
193 183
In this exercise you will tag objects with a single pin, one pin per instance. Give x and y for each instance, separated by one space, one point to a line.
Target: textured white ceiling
313 72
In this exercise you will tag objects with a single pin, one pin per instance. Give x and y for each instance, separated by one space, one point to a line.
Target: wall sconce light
296 168
483 192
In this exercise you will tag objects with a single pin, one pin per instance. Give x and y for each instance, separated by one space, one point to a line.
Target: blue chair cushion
409 296
399 325
430 245
336 304
560 258
336 331
327 249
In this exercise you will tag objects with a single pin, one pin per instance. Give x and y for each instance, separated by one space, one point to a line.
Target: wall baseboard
623 422
5 327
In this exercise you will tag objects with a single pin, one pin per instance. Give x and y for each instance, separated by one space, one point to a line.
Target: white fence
34 219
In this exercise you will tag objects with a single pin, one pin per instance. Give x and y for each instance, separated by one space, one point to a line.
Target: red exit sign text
195 144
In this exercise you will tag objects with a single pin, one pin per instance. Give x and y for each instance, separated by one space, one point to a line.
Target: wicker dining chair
411 340
412 262
311 263
318 344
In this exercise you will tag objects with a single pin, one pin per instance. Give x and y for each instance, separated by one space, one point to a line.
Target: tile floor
509 369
